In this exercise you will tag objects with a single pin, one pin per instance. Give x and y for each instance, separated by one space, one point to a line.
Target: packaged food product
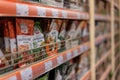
38 38
59 3
66 3
2 45
5 63
79 33
62 34
102 7
38 41
6 37
2 59
44 77
58 75
81 5
71 73
51 36
74 4
83 64
56 3
85 31
25 30
60 72
48 2
12 36
71 34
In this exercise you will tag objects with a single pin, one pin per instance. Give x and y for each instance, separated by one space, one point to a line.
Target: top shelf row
26 8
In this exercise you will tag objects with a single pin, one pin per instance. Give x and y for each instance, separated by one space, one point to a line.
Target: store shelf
86 76
39 68
102 17
46 65
103 58
106 73
101 38
34 10
26 9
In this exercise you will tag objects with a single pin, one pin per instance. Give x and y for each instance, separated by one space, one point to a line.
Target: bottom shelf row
73 69
79 69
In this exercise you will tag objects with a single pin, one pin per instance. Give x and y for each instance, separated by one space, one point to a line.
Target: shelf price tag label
12 78
60 60
26 74
88 16
22 10
64 14
48 65
41 11
82 16
54 13
81 49
78 15
75 52
86 48
69 55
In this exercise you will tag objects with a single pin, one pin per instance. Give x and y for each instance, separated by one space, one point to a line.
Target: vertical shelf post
92 38
112 36
119 26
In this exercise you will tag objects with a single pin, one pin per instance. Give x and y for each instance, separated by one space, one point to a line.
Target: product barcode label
22 10
26 74
60 60
69 55
64 14
41 11
48 65
75 52
12 78
54 13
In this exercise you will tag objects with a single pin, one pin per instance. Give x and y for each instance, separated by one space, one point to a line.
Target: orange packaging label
24 26
25 31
